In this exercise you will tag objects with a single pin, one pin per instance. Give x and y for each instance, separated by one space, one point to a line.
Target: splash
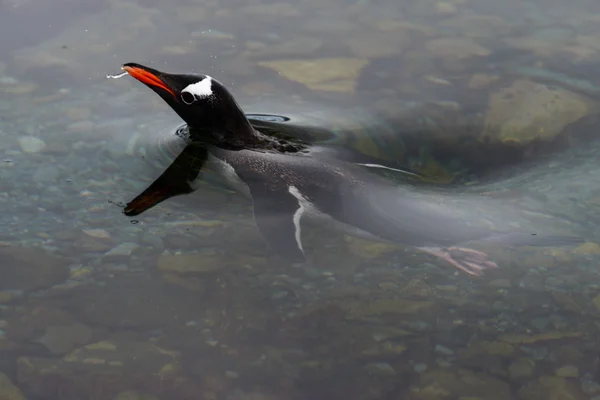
109 76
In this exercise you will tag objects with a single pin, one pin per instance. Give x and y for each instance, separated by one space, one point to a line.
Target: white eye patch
197 90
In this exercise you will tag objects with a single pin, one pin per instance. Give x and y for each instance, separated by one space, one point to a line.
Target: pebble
420 368
443 350
31 144
567 371
521 368
589 386
231 374
443 7
8 390
97 233
122 250
380 368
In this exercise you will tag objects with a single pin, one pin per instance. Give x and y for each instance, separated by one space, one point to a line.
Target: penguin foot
471 261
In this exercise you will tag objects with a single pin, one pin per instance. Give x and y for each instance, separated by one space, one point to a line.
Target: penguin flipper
175 180
277 214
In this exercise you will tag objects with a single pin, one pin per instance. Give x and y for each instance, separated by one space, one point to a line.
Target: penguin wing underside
277 213
175 180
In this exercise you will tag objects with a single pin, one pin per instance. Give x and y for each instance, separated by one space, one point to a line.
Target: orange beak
147 78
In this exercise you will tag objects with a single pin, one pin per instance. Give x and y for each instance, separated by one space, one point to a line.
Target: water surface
186 301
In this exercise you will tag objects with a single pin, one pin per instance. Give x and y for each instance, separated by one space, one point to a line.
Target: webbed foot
473 262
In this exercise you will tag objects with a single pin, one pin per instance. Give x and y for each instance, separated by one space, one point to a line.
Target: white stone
31 144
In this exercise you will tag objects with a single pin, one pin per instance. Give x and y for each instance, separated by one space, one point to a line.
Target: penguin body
290 182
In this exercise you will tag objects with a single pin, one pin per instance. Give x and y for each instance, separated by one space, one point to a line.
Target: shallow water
186 302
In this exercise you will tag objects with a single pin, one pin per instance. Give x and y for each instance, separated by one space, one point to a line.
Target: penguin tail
533 239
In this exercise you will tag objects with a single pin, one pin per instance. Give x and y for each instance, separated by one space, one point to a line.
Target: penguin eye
187 98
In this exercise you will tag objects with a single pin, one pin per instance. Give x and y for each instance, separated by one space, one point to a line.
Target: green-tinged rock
588 248
8 391
521 368
62 339
380 368
526 111
135 301
113 365
596 302
369 46
501 283
567 371
366 249
133 395
488 349
551 388
28 322
418 288
363 309
541 337
445 384
326 74
190 263
30 268
566 302
387 348
456 48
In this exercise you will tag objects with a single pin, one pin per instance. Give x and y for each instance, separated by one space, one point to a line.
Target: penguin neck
235 132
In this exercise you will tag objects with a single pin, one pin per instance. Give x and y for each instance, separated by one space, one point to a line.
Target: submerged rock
133 395
117 364
441 384
456 48
526 111
8 391
30 268
62 339
190 263
31 144
326 74
551 388
521 368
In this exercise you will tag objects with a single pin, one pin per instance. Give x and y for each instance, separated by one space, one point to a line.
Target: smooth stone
8 390
326 74
115 362
456 48
443 350
189 263
123 250
62 339
454 383
133 395
521 368
443 7
501 283
29 268
97 233
380 368
596 302
551 388
588 249
527 111
567 371
31 144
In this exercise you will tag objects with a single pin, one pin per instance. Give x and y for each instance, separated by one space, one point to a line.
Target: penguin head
200 100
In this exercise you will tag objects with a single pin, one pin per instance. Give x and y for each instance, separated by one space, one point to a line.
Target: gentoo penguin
289 181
